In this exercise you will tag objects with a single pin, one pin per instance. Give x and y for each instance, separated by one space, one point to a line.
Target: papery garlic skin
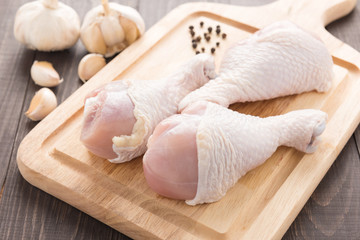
108 33
43 102
89 65
47 25
44 74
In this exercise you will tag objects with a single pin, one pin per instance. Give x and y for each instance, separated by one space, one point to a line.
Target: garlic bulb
47 25
109 28
89 65
44 74
43 102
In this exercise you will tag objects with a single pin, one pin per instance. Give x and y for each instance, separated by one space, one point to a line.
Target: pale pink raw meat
119 117
108 112
199 154
281 59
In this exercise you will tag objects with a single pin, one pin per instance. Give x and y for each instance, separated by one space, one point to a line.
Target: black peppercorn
191 27
205 35
223 35
198 39
194 45
218 31
208 38
203 49
192 33
209 29
217 44
212 50
197 52
218 26
201 24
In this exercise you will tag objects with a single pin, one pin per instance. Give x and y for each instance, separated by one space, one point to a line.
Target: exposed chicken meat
199 154
119 117
279 60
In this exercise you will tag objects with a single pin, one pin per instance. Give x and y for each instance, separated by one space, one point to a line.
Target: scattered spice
196 40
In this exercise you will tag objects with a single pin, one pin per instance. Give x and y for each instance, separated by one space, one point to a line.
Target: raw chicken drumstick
199 154
120 117
279 60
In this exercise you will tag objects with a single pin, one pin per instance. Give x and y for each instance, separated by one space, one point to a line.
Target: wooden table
332 212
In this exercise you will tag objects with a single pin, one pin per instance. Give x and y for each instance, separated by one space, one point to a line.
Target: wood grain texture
29 213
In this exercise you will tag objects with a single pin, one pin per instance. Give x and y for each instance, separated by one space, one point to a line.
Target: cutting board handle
316 11
336 9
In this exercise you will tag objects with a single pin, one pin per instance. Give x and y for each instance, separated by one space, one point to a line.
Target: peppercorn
197 52
217 44
201 24
218 26
191 27
194 45
205 35
223 35
203 49
212 50
209 29
208 38
198 39
192 33
218 31
193 40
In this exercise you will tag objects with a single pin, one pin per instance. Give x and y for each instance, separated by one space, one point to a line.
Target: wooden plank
333 211
14 83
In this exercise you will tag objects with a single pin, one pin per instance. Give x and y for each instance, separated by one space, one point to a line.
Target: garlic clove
131 31
43 102
131 14
44 74
112 31
89 65
93 40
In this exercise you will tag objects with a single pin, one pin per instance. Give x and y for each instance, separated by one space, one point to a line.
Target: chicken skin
198 155
120 117
280 59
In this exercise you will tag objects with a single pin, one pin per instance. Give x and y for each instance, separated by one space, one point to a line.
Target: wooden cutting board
263 204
